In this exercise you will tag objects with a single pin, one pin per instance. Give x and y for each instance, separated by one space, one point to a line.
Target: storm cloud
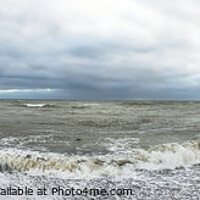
100 49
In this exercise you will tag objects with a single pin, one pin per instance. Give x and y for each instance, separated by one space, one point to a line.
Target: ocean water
149 147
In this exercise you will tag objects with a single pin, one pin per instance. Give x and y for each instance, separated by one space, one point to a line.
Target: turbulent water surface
152 148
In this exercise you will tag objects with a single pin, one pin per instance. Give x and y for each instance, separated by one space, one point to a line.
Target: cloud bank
100 49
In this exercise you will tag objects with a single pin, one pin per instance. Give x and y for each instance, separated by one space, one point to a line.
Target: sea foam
166 156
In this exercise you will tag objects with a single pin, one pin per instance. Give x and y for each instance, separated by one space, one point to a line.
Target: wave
84 106
40 105
91 104
29 105
166 156
35 105
79 107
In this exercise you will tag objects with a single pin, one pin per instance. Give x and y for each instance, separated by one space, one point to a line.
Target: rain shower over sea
49 148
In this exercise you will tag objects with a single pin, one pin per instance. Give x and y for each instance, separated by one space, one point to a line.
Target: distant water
149 146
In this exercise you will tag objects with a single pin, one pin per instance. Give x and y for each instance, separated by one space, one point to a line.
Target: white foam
167 156
22 141
35 105
121 145
91 104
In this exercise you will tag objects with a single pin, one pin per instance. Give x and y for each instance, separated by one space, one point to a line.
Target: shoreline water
149 147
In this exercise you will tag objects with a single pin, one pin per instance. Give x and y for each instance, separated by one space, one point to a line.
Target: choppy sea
149 147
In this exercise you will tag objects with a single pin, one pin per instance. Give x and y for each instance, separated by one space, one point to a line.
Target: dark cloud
140 50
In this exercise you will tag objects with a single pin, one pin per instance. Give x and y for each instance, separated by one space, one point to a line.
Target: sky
100 49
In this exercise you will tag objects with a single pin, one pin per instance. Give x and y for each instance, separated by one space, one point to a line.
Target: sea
92 150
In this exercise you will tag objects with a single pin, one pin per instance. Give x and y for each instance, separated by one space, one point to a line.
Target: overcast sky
100 49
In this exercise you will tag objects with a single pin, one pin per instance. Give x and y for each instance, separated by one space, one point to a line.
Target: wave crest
166 156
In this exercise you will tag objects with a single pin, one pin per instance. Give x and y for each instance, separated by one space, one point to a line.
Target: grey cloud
37 53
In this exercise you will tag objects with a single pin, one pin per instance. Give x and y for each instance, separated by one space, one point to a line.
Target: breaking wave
166 156
29 105
35 105
39 105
